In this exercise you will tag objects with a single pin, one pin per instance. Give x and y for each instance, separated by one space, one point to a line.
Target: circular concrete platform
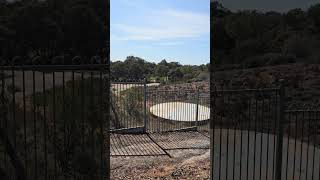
180 111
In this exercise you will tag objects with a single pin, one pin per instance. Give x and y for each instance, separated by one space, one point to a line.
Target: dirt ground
183 164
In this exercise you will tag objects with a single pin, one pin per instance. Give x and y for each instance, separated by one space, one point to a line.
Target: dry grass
184 164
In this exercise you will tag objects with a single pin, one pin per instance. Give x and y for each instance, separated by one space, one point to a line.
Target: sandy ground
183 164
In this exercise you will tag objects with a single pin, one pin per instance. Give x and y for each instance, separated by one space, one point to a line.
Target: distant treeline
134 68
52 28
249 38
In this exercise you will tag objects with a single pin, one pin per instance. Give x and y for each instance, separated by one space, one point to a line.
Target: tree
314 14
296 18
163 62
162 70
175 74
218 10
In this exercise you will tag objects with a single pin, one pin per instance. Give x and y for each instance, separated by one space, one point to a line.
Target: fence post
145 106
280 129
212 128
197 109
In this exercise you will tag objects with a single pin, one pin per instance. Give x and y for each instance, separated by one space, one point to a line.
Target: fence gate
137 107
158 117
54 122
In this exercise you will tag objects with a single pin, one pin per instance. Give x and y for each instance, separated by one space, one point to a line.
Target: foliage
70 128
138 68
249 37
52 28
128 107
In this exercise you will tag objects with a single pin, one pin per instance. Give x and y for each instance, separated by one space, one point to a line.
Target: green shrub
277 59
255 61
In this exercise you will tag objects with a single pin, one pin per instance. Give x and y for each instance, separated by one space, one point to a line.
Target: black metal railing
178 110
301 153
253 136
127 105
54 121
132 103
246 131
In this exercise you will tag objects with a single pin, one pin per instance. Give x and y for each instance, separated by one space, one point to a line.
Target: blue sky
175 30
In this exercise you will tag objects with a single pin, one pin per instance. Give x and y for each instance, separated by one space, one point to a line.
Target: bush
301 47
255 61
276 59
187 76
204 76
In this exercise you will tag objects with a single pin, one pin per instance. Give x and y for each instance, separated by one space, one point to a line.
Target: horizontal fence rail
53 121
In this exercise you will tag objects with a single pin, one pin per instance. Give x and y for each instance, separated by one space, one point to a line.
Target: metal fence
136 108
301 153
53 122
127 105
255 137
244 124
149 119
177 110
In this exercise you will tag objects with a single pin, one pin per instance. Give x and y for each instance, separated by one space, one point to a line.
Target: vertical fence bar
255 135
308 143
101 174
82 112
227 144
301 144
13 89
24 121
35 126
197 109
295 144
212 131
54 124
45 125
269 118
64 122
106 126
145 106
248 136
280 133
314 144
4 115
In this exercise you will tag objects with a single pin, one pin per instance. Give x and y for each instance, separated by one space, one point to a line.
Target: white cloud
169 24
169 43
